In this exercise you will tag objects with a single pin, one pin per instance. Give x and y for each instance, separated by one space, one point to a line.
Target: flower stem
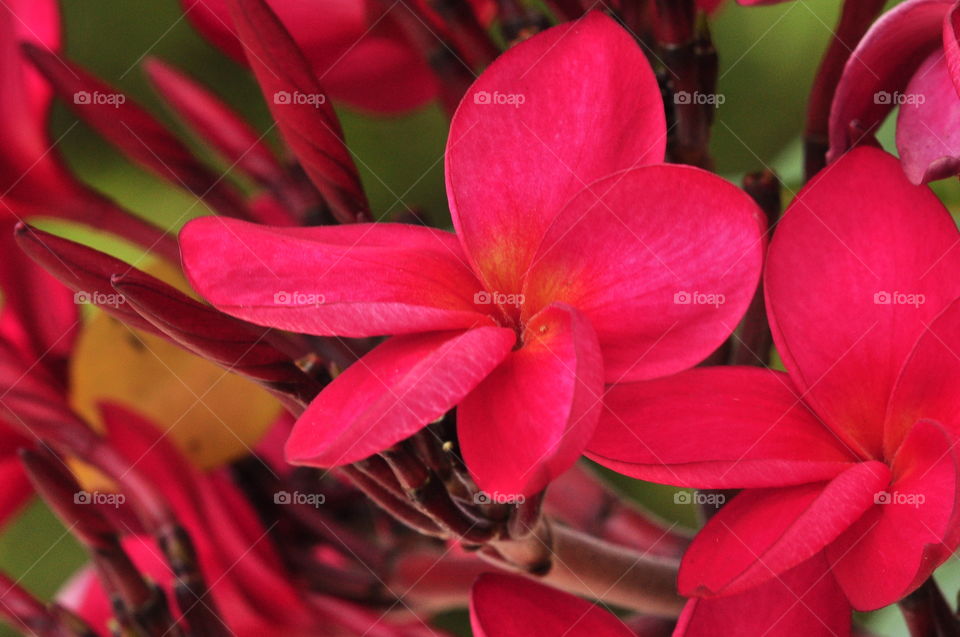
927 613
855 18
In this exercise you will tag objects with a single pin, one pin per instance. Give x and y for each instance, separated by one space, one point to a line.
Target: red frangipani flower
848 458
577 261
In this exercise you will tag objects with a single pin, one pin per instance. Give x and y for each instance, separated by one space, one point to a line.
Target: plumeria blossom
847 459
578 259
909 58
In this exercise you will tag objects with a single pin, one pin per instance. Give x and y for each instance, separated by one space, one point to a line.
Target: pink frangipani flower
847 459
578 259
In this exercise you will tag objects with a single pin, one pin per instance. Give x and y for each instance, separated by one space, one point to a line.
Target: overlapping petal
764 532
630 252
928 125
804 601
394 391
912 528
881 66
861 262
548 117
716 427
529 421
361 280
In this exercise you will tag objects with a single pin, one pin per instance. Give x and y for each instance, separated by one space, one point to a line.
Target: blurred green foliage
768 58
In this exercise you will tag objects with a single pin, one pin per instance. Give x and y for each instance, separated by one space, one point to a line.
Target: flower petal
880 67
580 101
504 605
911 530
663 261
926 387
393 392
357 280
764 532
861 261
718 428
530 420
928 125
804 601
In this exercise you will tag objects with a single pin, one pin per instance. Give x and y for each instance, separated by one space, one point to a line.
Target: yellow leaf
212 415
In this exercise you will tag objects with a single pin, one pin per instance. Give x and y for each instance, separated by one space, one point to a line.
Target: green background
768 58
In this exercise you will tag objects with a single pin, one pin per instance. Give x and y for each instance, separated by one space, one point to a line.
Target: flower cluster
298 415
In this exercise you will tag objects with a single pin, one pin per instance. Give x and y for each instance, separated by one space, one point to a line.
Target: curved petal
861 262
880 67
663 260
530 420
716 428
928 125
764 532
358 280
393 392
912 528
552 114
504 605
926 387
804 601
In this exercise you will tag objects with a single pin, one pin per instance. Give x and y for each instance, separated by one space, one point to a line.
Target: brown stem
855 19
581 564
927 613
690 61
753 345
